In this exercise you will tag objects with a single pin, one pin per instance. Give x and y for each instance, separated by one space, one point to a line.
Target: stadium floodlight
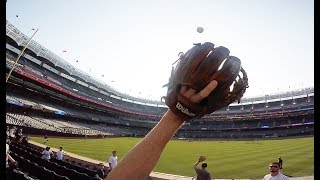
16 61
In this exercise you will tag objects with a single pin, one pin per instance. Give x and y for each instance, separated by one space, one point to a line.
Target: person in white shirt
46 154
60 154
275 173
113 160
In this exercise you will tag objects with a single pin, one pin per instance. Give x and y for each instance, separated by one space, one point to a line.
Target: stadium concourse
47 95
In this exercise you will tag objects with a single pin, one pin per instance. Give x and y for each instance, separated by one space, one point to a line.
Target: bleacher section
31 166
54 125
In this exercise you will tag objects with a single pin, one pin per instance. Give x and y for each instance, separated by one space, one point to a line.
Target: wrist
172 120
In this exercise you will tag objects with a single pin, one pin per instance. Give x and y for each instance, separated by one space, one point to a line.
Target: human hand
194 97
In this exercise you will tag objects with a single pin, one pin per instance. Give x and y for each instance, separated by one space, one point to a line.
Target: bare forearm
196 164
141 159
11 159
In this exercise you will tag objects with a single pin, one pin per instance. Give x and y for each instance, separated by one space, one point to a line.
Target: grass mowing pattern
226 159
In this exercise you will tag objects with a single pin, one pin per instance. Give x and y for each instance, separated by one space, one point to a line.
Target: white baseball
200 29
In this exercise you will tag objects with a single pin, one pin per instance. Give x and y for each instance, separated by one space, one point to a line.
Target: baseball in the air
200 29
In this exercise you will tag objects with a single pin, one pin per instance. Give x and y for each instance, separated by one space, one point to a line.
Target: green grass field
226 159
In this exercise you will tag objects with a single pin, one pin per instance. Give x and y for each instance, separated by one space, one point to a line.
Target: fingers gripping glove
196 69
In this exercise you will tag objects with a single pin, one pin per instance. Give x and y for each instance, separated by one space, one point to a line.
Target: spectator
113 160
45 139
8 141
9 158
100 171
275 174
18 135
141 159
60 154
25 140
12 133
47 153
202 174
8 132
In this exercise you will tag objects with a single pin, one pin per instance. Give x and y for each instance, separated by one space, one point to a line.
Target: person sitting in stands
25 140
100 171
8 132
19 135
12 133
47 153
8 157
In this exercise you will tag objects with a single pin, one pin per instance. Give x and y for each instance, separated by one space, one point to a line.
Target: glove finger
226 76
240 86
186 58
198 54
229 71
191 60
217 99
211 64
244 77
209 67
238 90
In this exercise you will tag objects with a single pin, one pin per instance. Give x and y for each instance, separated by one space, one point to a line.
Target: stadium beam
16 61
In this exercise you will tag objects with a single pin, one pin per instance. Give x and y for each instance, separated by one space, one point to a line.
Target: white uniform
113 161
277 177
60 155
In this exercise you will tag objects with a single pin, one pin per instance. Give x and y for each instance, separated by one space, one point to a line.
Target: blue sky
134 43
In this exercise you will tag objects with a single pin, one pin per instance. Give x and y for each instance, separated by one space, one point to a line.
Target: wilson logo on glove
184 109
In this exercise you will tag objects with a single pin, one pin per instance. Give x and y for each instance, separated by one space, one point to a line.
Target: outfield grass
226 159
